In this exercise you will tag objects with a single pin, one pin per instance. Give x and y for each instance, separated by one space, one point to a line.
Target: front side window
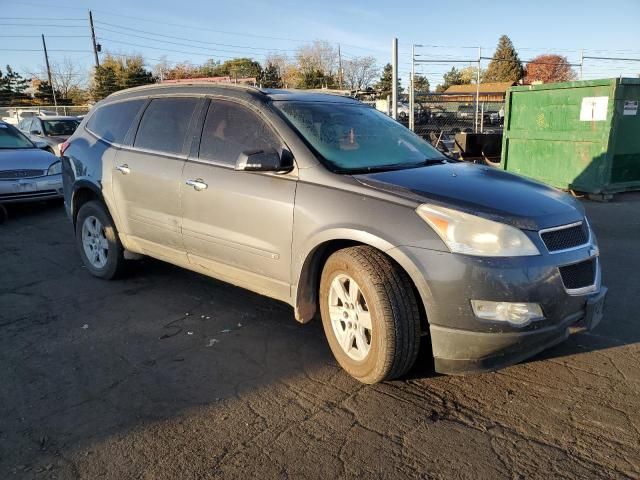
353 137
111 122
54 128
231 129
165 124
11 137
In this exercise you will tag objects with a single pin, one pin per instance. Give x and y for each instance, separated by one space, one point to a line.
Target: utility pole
46 61
412 91
93 40
475 126
339 67
394 78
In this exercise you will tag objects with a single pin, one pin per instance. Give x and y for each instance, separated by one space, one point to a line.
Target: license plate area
595 309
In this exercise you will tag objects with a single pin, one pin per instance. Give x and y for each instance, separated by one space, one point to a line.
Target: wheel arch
305 295
83 192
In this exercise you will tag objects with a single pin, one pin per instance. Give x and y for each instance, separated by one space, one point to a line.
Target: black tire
395 317
115 262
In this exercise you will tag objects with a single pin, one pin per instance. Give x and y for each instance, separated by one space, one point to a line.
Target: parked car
26 171
331 206
52 130
16 115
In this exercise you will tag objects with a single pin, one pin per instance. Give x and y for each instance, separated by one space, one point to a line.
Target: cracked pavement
169 374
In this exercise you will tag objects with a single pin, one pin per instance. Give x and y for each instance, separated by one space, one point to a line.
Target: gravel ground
169 374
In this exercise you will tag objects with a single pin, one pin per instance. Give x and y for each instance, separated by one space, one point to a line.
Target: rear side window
112 122
165 124
231 129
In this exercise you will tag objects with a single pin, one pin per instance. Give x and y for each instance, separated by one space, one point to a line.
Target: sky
222 29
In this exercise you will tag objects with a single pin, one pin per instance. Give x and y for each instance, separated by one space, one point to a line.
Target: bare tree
281 62
318 56
68 77
359 72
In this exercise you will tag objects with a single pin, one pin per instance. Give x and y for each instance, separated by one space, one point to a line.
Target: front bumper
462 351
463 343
30 189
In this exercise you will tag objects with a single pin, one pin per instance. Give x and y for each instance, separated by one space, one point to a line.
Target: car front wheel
369 314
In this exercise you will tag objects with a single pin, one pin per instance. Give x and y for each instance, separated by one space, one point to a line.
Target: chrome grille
566 237
16 174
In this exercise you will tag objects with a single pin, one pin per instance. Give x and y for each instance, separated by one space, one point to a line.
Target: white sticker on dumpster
594 109
630 107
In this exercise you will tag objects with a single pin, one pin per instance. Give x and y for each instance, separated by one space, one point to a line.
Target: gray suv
326 204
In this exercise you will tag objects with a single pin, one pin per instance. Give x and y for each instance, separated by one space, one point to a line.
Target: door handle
124 169
197 184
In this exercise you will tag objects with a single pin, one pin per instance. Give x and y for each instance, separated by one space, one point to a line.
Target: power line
41 25
184 38
167 49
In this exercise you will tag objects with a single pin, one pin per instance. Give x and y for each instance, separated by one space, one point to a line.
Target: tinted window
36 125
59 127
112 122
231 129
24 124
165 124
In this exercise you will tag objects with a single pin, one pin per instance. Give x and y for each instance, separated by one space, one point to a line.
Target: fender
307 266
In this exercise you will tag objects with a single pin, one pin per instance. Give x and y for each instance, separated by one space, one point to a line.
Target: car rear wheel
98 242
369 314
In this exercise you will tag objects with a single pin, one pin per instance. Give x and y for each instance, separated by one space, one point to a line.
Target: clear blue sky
253 27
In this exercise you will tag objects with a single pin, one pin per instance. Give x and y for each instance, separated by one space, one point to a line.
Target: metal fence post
475 123
394 78
412 91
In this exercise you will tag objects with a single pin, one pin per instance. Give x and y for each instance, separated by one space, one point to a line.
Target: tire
385 298
94 222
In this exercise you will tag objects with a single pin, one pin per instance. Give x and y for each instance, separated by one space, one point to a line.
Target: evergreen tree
117 73
421 85
271 77
385 83
12 86
44 93
452 77
505 65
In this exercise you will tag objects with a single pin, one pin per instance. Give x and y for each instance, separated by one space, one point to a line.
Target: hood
480 190
25 159
57 139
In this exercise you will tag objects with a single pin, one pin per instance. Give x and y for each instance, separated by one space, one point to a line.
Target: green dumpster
583 136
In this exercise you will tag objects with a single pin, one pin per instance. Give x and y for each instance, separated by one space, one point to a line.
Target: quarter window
231 129
111 122
165 124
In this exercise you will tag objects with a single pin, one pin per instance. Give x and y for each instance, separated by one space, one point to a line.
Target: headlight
466 233
55 168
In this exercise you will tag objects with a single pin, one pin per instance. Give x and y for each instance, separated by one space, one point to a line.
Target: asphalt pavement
168 374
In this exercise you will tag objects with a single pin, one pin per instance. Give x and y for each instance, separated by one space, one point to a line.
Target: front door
238 224
146 177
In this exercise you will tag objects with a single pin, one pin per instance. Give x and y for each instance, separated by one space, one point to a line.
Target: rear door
146 176
238 224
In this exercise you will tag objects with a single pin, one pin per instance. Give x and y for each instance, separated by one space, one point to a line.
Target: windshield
355 137
60 127
11 137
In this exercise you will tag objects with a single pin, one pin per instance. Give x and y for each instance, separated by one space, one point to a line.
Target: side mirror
35 132
264 160
41 145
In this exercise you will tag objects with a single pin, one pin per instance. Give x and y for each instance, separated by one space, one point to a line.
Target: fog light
519 314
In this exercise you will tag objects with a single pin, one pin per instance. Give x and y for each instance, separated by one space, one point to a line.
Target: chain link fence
15 114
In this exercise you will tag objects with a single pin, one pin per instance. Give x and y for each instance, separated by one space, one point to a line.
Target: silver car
27 172
52 130
334 208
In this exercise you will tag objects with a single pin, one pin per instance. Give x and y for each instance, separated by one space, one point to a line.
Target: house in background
489 92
